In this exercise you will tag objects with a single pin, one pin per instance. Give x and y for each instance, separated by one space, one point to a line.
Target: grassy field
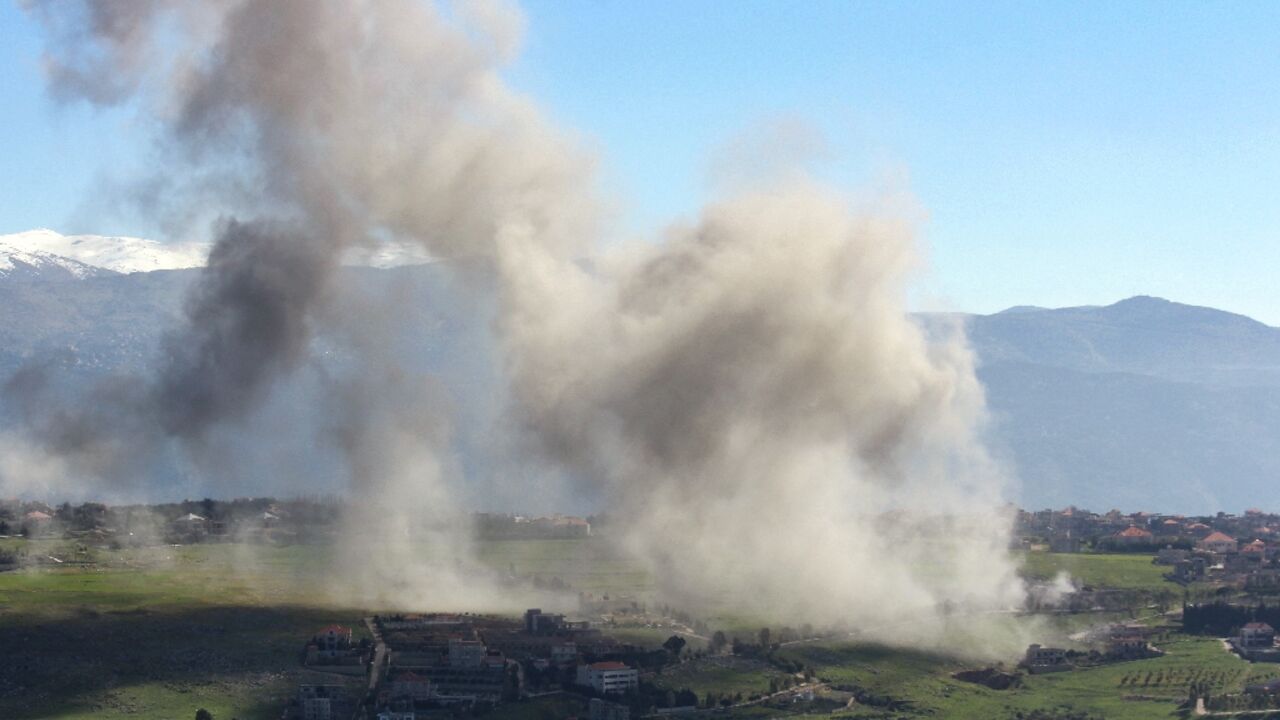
721 675
594 567
1098 570
1137 689
159 633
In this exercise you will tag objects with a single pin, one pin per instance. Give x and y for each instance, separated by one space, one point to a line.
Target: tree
674 645
764 638
203 714
718 641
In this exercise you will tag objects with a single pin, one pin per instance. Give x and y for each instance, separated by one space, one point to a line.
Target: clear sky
1065 153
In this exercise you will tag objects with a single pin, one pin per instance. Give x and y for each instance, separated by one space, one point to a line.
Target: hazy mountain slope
95 324
1141 404
1103 440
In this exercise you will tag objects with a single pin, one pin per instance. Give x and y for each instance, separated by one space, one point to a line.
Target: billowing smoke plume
780 435
747 395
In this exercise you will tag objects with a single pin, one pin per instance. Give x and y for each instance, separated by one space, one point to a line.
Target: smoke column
747 394
307 129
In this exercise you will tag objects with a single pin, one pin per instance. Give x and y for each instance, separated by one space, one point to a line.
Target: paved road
379 655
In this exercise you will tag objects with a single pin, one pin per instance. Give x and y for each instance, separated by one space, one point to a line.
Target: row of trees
1222 618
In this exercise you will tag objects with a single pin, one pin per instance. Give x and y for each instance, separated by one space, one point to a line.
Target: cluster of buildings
496 526
1242 551
1073 529
261 526
240 520
436 665
1118 643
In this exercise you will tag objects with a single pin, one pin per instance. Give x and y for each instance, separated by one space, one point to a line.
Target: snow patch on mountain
131 254
19 263
119 254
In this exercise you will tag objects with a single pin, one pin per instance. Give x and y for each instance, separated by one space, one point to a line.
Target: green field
1098 570
1120 690
159 632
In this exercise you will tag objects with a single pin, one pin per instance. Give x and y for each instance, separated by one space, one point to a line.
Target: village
1227 550
614 655
442 665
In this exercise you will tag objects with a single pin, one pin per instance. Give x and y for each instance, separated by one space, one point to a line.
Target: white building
609 677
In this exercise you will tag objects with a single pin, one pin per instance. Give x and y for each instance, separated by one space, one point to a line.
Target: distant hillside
1144 404
1141 335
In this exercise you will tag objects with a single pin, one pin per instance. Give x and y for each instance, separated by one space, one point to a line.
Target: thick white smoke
772 426
746 394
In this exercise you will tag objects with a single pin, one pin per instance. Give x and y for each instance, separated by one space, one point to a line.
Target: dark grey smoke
247 322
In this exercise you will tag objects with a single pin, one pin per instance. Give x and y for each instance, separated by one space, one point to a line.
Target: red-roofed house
36 522
569 526
1256 548
1133 535
1218 542
333 641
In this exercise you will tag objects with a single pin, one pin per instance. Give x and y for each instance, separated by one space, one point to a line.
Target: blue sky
1065 153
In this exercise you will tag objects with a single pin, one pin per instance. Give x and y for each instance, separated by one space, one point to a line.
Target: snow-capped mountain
118 254
17 263
130 254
